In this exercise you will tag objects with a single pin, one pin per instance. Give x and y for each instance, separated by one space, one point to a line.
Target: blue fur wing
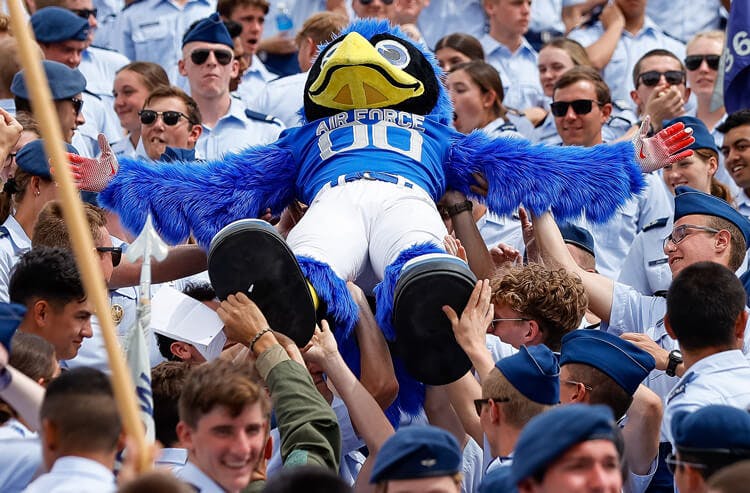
202 196
566 179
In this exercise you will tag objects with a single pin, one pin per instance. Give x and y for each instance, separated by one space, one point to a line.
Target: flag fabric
737 58
136 354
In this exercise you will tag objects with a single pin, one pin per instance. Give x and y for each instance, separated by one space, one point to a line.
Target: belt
372 176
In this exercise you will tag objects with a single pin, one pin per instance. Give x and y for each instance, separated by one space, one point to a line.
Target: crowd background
606 357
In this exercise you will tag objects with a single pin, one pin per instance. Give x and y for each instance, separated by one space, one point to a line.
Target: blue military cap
712 428
417 452
55 25
622 361
534 372
703 138
64 82
498 480
689 201
11 315
549 435
209 30
578 236
32 159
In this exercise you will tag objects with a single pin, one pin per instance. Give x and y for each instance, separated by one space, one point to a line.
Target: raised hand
666 147
93 175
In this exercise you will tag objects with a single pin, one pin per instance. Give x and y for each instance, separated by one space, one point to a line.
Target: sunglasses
580 107
479 403
652 77
368 2
199 56
85 13
115 251
693 62
681 232
77 105
170 118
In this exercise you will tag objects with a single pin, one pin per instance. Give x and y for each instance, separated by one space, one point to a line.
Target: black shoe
249 256
424 336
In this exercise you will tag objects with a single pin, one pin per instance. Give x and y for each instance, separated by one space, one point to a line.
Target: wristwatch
675 358
456 209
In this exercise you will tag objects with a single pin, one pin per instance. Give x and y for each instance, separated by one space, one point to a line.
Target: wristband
456 209
258 336
5 379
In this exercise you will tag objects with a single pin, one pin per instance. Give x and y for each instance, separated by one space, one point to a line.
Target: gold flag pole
83 245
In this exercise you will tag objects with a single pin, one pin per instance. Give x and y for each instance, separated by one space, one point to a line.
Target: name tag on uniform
660 261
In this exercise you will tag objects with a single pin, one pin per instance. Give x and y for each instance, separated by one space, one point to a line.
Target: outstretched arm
199 197
568 180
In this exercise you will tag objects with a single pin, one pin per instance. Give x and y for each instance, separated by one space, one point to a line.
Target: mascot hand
93 175
666 147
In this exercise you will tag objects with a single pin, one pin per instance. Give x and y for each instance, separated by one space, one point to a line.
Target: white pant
347 223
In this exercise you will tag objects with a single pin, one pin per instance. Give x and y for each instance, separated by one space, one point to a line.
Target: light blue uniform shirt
721 378
196 478
124 148
612 240
20 462
100 66
74 474
173 459
685 18
85 139
742 203
518 72
443 17
546 15
618 74
254 81
152 30
512 126
282 98
13 243
235 131
646 267
108 11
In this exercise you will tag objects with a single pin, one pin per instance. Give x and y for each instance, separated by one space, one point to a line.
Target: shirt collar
17 234
194 476
257 70
720 361
79 466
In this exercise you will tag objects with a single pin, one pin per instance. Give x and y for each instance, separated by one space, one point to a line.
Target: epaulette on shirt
92 94
104 47
261 117
507 127
657 223
680 389
4 232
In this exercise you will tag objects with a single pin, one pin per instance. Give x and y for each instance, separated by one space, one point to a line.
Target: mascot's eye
331 50
393 51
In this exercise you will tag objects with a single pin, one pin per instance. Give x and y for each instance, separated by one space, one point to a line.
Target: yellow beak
357 76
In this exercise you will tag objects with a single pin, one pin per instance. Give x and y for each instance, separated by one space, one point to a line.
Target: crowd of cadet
606 357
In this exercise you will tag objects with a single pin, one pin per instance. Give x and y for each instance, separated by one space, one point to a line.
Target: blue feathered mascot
376 154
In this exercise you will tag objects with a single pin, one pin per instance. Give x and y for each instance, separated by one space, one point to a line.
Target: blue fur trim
567 179
411 392
342 310
443 110
201 196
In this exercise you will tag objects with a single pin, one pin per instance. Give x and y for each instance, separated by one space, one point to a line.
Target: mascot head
373 65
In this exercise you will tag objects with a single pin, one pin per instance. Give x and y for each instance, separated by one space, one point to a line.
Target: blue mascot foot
250 257
424 336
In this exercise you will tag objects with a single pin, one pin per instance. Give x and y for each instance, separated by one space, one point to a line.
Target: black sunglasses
199 56
580 107
693 62
652 77
85 13
115 251
77 105
479 403
170 118
368 2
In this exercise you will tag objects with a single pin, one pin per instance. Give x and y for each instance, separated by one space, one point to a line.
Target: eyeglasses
693 62
170 118
508 320
681 232
77 105
673 463
479 403
368 2
652 77
115 251
580 107
573 382
199 56
85 13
